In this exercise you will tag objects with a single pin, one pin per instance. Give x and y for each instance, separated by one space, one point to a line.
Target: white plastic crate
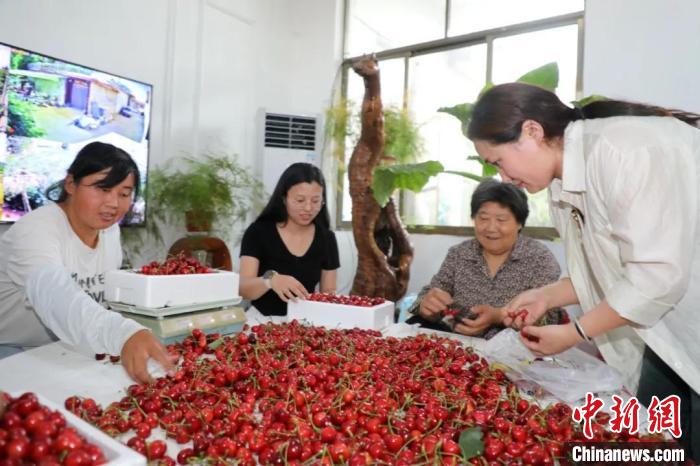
331 315
157 291
116 454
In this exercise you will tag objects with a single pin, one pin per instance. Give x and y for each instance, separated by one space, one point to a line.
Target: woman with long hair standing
623 182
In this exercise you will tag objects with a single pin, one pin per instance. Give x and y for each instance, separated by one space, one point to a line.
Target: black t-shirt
262 241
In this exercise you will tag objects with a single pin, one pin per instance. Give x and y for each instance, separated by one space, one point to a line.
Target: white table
56 371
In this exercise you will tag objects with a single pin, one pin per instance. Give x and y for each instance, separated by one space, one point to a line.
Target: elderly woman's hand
486 316
434 303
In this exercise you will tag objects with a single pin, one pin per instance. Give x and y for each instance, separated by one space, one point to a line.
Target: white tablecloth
56 371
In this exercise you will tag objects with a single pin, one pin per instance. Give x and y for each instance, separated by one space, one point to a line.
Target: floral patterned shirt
465 275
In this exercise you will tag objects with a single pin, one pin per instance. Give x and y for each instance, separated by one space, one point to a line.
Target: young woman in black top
290 248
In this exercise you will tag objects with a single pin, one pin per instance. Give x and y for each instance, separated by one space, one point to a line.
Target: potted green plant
207 194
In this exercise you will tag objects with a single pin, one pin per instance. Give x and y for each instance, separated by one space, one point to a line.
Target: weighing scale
172 324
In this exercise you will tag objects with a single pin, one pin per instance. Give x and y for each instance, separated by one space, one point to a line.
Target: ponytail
499 114
612 108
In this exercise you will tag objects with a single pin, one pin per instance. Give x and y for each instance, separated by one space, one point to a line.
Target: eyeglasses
315 204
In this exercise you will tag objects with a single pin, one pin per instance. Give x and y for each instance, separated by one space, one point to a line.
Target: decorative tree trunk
384 252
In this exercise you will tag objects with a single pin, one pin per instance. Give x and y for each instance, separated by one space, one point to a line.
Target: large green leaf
463 112
546 76
471 176
487 170
471 443
386 179
483 90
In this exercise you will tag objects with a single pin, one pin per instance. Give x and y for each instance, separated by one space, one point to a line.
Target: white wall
96 34
645 50
213 63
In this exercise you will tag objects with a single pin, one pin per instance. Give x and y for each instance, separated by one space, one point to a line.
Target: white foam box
331 315
157 291
116 453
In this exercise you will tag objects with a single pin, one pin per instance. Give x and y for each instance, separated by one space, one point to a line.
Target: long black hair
276 210
94 158
499 114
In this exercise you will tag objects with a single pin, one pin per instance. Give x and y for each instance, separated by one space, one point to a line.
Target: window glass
450 77
387 24
468 16
444 79
509 63
550 45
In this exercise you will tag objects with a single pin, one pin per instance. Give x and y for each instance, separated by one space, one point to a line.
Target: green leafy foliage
487 170
546 76
214 186
403 144
402 138
463 112
387 178
471 442
340 124
20 118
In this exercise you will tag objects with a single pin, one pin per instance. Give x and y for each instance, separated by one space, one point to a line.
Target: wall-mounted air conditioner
286 139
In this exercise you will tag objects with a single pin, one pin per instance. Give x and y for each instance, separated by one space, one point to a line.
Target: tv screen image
49 110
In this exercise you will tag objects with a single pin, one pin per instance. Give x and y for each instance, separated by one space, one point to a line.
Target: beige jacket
635 182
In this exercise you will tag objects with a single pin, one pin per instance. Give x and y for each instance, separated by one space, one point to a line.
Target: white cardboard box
116 453
331 315
157 291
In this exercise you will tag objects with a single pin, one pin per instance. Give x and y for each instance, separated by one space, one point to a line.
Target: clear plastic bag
567 376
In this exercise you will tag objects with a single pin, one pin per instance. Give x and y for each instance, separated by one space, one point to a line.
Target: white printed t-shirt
51 284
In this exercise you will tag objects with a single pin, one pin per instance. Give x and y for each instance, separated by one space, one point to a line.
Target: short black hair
300 172
506 194
93 158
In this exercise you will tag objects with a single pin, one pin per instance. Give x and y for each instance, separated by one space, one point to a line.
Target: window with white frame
439 53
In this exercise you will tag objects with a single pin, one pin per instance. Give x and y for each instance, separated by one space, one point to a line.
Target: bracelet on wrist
579 329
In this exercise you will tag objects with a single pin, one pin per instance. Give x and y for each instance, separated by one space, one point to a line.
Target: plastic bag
567 376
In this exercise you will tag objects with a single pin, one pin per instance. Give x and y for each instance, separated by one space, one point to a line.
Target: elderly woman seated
479 276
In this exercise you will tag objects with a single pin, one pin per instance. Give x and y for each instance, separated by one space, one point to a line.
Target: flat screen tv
50 109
